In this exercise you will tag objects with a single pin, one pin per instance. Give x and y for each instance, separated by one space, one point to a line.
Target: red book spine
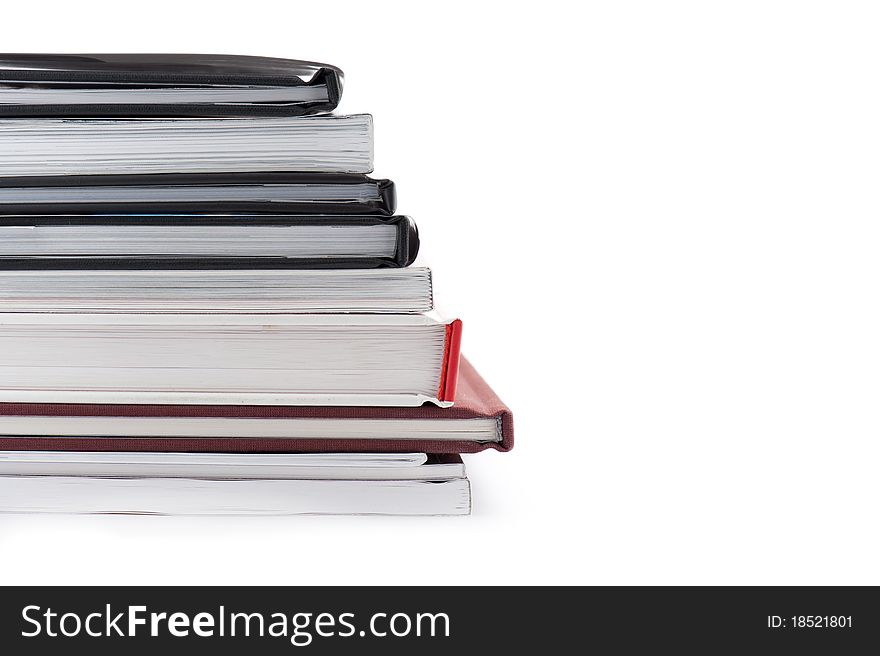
451 355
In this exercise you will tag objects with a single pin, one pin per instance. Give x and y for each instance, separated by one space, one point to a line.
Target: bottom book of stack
232 483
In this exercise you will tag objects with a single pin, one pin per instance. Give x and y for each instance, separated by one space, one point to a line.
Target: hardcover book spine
407 243
451 356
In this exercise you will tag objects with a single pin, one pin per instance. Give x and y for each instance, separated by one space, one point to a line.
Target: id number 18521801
810 622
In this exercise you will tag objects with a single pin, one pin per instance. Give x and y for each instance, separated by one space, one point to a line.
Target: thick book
232 484
119 85
198 241
218 291
479 420
209 194
237 359
50 146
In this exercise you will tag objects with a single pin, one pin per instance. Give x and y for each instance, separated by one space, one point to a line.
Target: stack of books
207 306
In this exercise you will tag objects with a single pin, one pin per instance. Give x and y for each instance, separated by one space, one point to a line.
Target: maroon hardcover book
479 420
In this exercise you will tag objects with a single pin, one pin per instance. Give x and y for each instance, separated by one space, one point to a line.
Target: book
479 420
276 466
88 85
233 484
287 359
217 291
198 241
49 146
210 195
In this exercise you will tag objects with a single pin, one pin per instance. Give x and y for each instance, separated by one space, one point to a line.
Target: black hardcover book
205 241
137 85
209 193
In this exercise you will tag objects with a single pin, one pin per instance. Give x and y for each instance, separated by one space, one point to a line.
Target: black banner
422 620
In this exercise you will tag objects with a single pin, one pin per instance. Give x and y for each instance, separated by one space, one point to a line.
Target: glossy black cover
406 250
384 204
131 70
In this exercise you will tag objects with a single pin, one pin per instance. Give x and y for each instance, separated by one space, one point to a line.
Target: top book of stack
124 85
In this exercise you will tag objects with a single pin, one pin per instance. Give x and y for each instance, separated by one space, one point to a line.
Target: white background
660 223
